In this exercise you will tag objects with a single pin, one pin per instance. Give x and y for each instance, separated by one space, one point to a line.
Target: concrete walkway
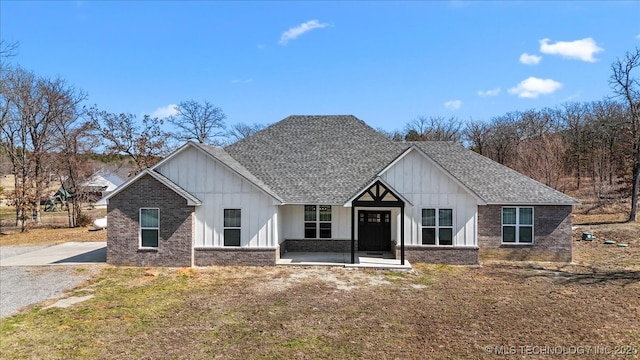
363 260
70 253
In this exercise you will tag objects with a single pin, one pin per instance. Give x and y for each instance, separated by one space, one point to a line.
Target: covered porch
362 259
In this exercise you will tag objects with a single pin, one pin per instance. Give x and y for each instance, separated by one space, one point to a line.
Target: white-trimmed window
517 225
149 227
317 221
437 226
232 226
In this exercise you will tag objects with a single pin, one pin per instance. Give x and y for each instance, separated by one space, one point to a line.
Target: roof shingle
315 159
328 159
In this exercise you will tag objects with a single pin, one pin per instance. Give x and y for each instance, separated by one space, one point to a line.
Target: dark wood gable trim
377 195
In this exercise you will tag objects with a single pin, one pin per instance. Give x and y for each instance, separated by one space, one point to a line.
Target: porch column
353 239
402 234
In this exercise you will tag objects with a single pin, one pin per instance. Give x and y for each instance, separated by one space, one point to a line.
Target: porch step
363 260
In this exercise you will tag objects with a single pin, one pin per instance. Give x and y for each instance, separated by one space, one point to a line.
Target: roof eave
525 203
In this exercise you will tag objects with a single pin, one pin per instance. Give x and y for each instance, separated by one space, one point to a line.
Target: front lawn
435 312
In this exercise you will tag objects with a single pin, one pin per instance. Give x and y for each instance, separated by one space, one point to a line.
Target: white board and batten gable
426 185
217 181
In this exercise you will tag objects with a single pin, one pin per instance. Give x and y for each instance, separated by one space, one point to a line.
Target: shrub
84 220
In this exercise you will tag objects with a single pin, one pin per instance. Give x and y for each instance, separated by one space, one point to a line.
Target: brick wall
176 224
458 255
552 235
236 256
318 245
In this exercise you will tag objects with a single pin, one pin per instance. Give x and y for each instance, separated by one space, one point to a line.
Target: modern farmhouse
332 184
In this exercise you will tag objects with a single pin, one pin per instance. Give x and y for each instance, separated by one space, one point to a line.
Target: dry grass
49 236
435 312
438 312
52 230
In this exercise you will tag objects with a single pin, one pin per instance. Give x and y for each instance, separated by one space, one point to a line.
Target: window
517 225
149 227
437 230
232 227
317 217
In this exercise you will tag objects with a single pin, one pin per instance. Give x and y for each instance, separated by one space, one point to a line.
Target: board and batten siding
219 188
293 222
425 185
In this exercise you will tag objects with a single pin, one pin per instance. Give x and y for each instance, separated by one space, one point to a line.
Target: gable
417 177
202 170
159 178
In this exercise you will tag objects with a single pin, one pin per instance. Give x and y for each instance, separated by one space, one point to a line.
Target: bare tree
477 136
240 131
202 122
74 139
626 86
143 144
434 128
31 106
574 117
504 139
7 50
393 135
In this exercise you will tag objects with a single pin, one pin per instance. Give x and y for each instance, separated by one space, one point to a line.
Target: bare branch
202 122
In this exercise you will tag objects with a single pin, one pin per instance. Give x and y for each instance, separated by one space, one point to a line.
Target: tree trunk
634 189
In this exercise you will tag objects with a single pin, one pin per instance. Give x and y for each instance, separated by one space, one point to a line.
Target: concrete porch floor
371 260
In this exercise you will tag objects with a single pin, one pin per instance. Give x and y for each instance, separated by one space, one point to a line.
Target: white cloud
578 49
533 87
530 59
294 32
453 104
492 92
242 81
164 112
638 36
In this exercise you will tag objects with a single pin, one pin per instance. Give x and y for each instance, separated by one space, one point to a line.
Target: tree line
48 133
597 140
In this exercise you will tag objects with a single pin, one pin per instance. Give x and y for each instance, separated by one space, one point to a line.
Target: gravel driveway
22 286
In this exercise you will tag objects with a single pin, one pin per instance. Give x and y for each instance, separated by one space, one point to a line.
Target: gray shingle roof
316 159
329 159
492 182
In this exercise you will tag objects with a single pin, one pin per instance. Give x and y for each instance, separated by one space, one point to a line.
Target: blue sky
384 62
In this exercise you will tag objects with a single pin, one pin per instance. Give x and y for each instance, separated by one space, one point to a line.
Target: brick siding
176 224
318 245
552 235
458 255
237 256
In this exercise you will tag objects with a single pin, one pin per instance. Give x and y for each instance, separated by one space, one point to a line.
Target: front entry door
374 230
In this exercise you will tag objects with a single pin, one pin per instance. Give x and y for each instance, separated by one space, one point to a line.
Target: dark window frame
232 232
436 231
517 226
148 229
317 221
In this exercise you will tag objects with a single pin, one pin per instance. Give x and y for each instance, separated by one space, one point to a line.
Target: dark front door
374 231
